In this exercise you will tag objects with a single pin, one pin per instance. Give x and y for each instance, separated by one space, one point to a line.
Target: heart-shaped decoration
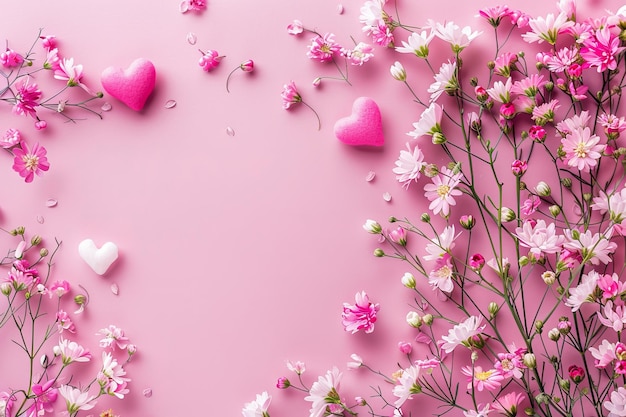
98 259
131 86
363 127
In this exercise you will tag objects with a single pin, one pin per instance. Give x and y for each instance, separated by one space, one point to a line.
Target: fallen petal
230 131
370 176
147 392
115 289
192 38
184 6
51 202
106 107
170 104
40 219
340 8
387 197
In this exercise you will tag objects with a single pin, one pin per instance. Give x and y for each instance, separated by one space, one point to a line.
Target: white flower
76 399
539 237
397 71
458 38
617 405
582 293
407 385
409 165
461 332
547 29
441 244
445 79
322 391
356 362
501 92
372 226
429 123
258 407
417 44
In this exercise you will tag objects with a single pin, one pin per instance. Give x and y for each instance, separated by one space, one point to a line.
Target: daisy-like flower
323 48
459 334
442 191
26 98
76 400
53 60
547 29
442 244
429 122
361 315
501 92
613 318
71 352
258 407
617 405
70 72
30 162
604 354
113 336
479 412
510 365
409 165
417 44
508 403
458 38
407 385
600 51
298 367
445 80
323 393
494 15
11 138
441 276
615 205
583 292
544 113
582 149
359 55
612 125
481 380
593 248
504 64
373 15
539 237
571 124
64 322
562 60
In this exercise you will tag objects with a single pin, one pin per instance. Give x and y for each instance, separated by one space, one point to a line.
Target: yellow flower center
443 190
581 150
443 272
31 162
483 376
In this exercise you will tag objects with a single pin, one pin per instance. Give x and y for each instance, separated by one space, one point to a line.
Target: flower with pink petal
64 322
291 97
441 275
417 44
407 386
442 191
462 332
209 60
11 59
442 244
76 400
361 315
324 393
582 149
507 404
71 352
26 98
458 38
323 48
539 237
258 407
45 395
358 55
295 27
494 15
409 166
601 50
113 336
30 162
11 138
547 28
481 380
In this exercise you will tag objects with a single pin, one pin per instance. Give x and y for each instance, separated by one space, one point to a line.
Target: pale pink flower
11 59
593 248
562 59
445 80
427 363
604 354
323 48
547 29
442 244
53 60
59 288
64 322
324 392
530 205
504 64
481 411
112 377
361 315
76 400
295 27
577 93
417 44
429 122
617 405
358 55
373 14
481 380
568 7
613 318
298 367
539 237
113 336
458 38
356 362
71 73
571 124
510 364
21 276
398 236
30 162
290 95
45 395
508 403
209 60
409 165
71 352
26 98
494 14
460 333
258 407
582 293
6 403
544 113
501 92
612 124
441 275
11 138
442 191
600 51
407 385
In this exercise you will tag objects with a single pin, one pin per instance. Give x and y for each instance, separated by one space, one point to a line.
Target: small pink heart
363 127
131 86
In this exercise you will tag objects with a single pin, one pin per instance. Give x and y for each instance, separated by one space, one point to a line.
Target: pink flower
26 97
209 60
27 162
481 380
441 276
508 403
593 248
361 315
612 125
537 133
510 365
71 73
583 292
22 277
298 367
417 44
445 80
613 318
442 191
505 63
113 336
494 14
290 95
476 262
617 405
429 123
53 61
405 347
76 400
295 27
409 166
323 48
49 42
398 236
59 288
462 332
6 403
442 244
518 168
324 392
65 322
458 38
11 138
11 59
45 396
407 386
600 50
603 354
539 237
359 55
71 352
111 376
547 29
544 113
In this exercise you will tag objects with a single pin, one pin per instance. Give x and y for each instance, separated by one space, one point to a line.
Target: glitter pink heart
363 127
131 86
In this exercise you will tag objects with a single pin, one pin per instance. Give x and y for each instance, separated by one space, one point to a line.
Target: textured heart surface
131 86
363 127
98 259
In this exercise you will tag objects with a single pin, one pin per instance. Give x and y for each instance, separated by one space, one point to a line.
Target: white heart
98 259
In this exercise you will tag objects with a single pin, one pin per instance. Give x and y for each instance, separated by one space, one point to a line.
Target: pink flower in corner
28 162
361 315
209 60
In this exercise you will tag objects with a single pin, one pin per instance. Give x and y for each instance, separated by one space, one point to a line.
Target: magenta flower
45 396
27 162
247 66
209 60
600 50
323 48
49 42
194 5
361 315
26 98
481 380
494 14
291 96
11 59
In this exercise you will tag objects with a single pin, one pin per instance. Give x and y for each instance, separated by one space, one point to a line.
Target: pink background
236 252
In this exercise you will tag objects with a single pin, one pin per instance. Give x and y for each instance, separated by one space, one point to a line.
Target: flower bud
428 319
408 280
529 360
405 347
360 401
80 299
476 262
425 217
43 252
564 384
548 277
414 319
507 215
474 356
18 231
467 221
398 72
523 261
554 210
564 325
35 240
566 182
283 383
431 170
576 374
518 168
6 288
392 219
587 197
539 326
373 227
438 138
398 236
379 253
554 334
317 82
493 308
543 189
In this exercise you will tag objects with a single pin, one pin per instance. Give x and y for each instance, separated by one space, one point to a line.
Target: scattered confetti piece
184 6
40 219
340 8
230 131
192 38
170 104
147 392
387 197
51 202
106 107
370 176
115 289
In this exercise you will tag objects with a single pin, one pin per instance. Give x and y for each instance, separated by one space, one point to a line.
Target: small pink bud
283 383
41 124
247 66
405 347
